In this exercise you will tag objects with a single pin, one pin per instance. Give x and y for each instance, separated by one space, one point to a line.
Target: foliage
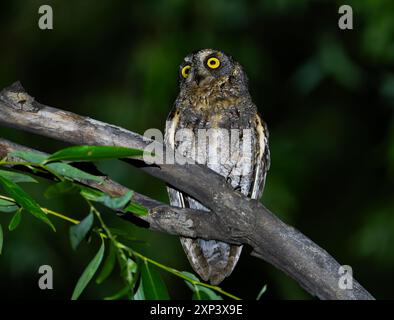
141 279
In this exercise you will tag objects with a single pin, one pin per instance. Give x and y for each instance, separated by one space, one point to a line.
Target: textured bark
234 218
161 217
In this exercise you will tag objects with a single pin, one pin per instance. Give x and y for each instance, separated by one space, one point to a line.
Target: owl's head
208 67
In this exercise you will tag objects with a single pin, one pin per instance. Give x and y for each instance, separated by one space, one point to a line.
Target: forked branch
233 218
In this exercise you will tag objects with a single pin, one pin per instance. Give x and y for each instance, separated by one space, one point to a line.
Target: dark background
327 96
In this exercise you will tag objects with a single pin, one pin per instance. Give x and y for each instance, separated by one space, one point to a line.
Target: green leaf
16 219
24 200
191 276
139 294
8 209
107 200
129 271
68 171
29 156
131 266
263 289
137 209
89 272
122 293
202 295
62 169
7 206
64 187
118 202
1 238
108 266
4 202
128 268
200 292
206 293
79 231
91 194
16 176
153 286
90 153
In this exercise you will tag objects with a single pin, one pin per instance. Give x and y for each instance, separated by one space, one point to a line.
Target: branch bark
161 217
233 218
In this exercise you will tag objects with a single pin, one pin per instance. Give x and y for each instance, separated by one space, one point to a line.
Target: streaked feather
214 260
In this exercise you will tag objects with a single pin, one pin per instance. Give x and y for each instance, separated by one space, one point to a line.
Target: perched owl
214 97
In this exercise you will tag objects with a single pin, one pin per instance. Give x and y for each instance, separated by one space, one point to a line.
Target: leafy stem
119 245
32 166
125 254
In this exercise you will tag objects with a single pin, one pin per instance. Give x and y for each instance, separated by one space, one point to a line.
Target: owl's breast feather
212 97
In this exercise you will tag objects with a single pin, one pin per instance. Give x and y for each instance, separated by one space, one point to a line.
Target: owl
214 98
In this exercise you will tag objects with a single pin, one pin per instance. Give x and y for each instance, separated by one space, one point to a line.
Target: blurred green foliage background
326 94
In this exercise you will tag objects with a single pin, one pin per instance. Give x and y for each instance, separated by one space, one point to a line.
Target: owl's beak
197 77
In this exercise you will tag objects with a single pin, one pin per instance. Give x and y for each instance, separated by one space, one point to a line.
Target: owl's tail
212 260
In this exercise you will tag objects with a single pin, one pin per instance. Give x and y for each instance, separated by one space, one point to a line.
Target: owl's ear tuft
239 74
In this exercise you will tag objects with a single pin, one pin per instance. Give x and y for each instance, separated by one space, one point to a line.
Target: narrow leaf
63 169
23 199
200 292
153 286
8 209
118 202
1 238
79 231
91 194
207 294
128 267
105 199
16 176
29 156
89 272
137 209
16 219
4 202
263 289
201 295
131 266
90 153
108 266
122 293
69 171
139 294
7 206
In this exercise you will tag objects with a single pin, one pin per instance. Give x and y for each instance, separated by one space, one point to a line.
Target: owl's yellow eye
213 63
185 71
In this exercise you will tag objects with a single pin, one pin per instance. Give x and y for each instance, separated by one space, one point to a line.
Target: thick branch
161 217
240 219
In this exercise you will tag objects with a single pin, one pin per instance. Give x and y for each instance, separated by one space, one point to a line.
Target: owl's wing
176 197
261 165
191 246
262 159
214 260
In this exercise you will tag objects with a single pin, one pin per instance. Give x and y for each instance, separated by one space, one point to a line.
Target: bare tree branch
161 217
237 219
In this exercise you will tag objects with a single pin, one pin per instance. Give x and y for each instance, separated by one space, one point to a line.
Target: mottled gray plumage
217 98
